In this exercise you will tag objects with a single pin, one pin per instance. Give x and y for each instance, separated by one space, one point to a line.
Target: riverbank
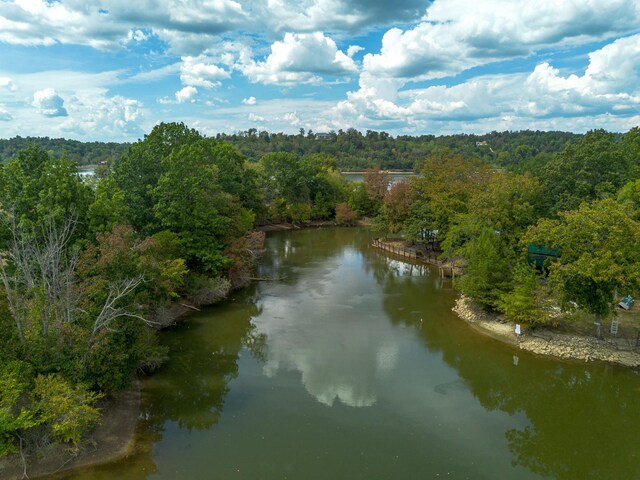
390 172
544 341
279 227
111 440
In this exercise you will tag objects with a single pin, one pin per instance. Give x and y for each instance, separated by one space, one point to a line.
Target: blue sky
110 70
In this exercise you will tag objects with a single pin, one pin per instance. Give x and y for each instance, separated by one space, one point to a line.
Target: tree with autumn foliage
448 182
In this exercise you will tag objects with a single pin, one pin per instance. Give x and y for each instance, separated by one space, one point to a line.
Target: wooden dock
431 258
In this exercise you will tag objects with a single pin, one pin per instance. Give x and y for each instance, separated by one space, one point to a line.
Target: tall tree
190 201
138 171
37 189
487 273
396 205
509 203
447 182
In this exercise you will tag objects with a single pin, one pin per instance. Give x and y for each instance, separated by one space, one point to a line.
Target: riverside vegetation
88 267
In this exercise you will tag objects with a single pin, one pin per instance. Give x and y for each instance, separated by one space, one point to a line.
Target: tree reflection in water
570 420
584 419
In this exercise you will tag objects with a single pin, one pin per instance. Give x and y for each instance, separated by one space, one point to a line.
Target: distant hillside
356 151
83 153
353 150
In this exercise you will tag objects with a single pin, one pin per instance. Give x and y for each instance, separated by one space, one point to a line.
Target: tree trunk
598 324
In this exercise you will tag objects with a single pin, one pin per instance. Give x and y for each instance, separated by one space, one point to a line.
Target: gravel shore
544 341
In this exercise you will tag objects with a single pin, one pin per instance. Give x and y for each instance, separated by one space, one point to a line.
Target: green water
354 367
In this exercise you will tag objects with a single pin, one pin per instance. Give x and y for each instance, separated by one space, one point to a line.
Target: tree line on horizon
352 149
80 153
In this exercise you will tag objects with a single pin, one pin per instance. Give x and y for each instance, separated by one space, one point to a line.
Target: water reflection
247 391
583 420
339 344
191 388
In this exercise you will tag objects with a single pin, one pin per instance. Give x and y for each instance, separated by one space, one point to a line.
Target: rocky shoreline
544 342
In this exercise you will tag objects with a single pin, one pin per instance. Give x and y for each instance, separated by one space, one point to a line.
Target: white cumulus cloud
137 35
6 82
459 34
249 101
187 94
252 117
353 49
200 72
5 116
110 117
609 85
49 103
300 58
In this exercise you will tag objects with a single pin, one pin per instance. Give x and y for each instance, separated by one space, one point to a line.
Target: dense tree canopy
137 173
352 149
190 201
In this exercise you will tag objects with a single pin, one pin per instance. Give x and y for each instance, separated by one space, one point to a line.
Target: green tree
594 167
16 415
487 273
448 182
629 196
630 145
191 202
284 178
525 303
108 207
419 225
139 170
37 190
359 200
67 410
509 203
599 254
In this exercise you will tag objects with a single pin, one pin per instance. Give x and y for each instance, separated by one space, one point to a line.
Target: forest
90 267
80 153
351 149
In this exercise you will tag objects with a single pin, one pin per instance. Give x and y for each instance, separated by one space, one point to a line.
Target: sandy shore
544 341
111 440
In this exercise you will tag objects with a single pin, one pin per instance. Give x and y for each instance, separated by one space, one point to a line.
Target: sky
110 70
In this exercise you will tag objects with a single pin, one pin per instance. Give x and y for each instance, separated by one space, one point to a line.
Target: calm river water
354 367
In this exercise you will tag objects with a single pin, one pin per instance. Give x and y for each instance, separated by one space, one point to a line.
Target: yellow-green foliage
14 417
526 301
66 409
